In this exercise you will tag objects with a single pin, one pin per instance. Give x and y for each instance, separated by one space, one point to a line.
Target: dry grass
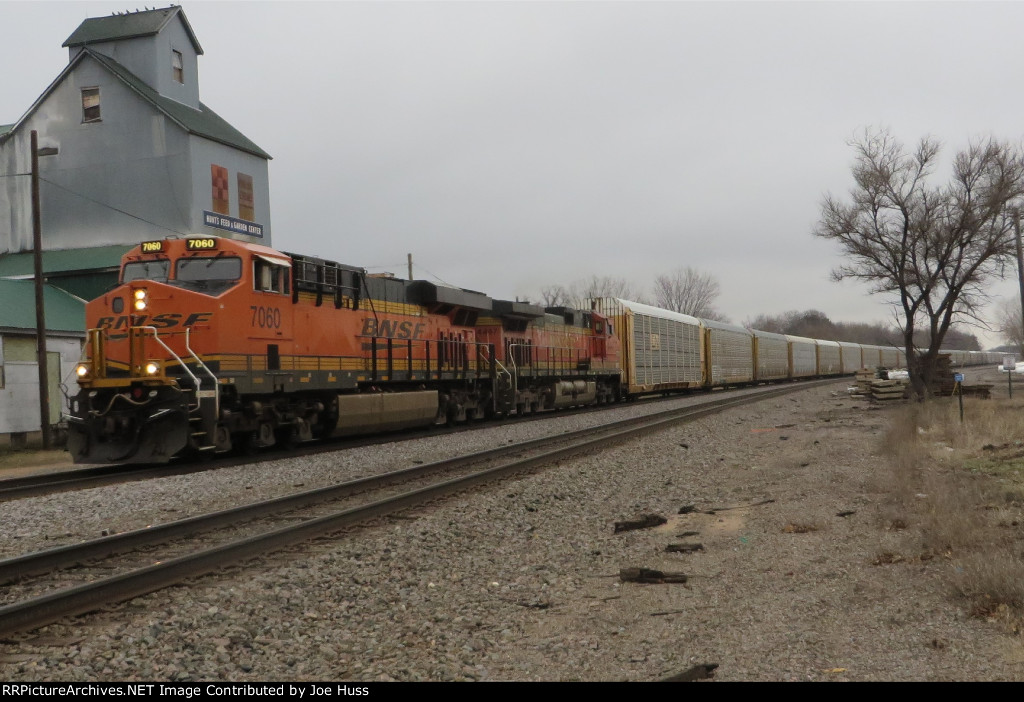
13 459
962 486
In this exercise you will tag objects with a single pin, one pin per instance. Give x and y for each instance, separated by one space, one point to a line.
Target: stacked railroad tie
874 384
944 384
888 390
865 377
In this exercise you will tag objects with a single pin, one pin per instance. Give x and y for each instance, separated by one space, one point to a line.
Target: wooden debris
646 521
799 528
684 548
715 510
703 671
649 576
887 558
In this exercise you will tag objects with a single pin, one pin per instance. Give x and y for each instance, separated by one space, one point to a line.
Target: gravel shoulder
520 580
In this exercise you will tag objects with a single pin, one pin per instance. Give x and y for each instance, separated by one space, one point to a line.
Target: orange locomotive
208 344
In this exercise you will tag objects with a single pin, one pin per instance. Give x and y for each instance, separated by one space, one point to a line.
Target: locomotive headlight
152 368
82 370
141 298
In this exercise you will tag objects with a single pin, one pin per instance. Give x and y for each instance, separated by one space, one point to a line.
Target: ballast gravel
519 580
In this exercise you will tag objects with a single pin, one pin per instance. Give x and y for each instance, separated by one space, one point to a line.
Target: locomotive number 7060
266 317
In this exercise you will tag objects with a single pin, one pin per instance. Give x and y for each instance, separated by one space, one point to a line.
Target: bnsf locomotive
207 344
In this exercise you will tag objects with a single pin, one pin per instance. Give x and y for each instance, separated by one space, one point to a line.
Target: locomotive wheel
285 438
247 444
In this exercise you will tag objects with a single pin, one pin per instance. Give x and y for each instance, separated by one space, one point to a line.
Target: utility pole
1020 269
37 245
410 273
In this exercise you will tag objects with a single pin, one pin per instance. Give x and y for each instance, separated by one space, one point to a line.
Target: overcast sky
511 145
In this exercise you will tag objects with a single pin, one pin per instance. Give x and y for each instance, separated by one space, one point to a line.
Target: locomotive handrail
156 336
568 354
493 357
216 385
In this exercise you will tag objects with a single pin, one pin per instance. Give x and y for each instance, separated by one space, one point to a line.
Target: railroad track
206 543
104 475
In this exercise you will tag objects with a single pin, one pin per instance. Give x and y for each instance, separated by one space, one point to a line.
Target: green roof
203 122
64 312
63 261
4 128
128 26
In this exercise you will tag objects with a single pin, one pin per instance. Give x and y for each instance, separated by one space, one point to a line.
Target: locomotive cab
148 386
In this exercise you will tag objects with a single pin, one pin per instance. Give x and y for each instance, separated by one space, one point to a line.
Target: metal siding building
19 369
153 162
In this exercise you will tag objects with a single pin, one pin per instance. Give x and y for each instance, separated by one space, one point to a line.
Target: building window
177 66
245 199
220 190
90 104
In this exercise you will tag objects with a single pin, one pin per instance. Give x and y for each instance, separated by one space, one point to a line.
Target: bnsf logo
160 321
392 329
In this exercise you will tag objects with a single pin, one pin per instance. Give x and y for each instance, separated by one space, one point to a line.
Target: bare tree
930 248
688 291
554 295
579 293
1010 325
603 286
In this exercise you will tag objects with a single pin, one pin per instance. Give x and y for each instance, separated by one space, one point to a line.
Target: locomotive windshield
208 273
147 270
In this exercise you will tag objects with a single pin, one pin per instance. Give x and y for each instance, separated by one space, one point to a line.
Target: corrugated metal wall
829 360
804 358
772 358
665 351
732 356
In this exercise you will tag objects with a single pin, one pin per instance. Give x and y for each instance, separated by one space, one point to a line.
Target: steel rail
46 609
103 475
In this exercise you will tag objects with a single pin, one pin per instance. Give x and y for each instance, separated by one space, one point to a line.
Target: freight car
208 344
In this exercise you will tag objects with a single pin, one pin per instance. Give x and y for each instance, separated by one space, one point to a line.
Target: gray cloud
512 145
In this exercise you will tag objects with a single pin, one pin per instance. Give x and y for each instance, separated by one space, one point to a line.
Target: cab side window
268 277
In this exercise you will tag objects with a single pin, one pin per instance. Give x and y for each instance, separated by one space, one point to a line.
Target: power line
436 277
111 207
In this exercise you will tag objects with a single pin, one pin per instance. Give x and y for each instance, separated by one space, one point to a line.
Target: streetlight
37 244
